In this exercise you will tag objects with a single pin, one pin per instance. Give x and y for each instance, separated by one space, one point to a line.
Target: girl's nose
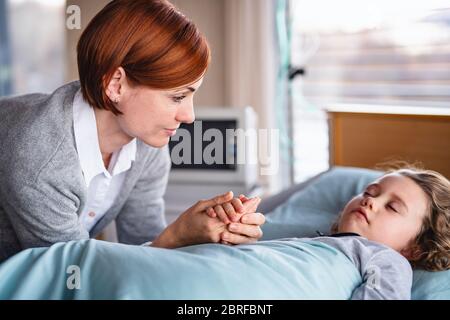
367 202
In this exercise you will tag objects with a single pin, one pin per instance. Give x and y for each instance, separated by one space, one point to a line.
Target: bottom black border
278 309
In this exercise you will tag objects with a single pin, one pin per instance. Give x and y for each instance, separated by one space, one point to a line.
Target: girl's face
154 115
390 211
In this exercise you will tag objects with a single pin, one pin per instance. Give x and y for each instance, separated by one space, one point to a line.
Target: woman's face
154 115
390 211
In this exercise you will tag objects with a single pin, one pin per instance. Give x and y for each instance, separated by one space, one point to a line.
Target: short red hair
151 40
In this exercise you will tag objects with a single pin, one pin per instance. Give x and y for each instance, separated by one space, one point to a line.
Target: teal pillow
431 285
315 208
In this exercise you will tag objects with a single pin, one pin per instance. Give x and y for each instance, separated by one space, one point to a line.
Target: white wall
209 17
88 10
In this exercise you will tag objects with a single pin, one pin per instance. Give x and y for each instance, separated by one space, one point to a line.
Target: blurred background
307 68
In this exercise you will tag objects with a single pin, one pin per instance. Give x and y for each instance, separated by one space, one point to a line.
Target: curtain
252 61
5 58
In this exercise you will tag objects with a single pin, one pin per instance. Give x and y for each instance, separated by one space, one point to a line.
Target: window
363 52
34 41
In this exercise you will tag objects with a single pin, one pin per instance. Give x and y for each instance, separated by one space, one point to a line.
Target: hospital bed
271 269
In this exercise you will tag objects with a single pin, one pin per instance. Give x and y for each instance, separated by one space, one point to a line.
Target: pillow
431 285
315 208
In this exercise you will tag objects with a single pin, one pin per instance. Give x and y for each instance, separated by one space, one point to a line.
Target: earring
116 100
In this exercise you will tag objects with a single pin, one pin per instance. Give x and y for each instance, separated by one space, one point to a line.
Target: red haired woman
95 151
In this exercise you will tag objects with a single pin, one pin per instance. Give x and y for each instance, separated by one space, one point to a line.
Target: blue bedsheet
279 269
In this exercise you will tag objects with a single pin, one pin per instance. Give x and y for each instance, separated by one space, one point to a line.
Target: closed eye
392 208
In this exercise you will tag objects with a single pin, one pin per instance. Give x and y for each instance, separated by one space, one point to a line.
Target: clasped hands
223 219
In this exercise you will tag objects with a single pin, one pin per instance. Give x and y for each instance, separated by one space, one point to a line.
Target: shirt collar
345 234
85 128
125 157
338 235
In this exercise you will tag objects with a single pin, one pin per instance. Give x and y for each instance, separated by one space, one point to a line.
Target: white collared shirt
103 184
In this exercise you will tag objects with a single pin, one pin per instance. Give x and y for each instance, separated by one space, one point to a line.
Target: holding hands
240 217
222 219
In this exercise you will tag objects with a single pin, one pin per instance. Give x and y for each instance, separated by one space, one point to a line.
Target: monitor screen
204 149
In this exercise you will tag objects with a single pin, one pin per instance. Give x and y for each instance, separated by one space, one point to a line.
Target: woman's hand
245 224
194 226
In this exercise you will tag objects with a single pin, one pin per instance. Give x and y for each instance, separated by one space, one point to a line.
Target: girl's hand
227 212
233 211
245 226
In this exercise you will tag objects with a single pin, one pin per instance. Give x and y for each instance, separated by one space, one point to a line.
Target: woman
95 151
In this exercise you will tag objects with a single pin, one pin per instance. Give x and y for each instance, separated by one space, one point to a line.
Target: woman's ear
117 84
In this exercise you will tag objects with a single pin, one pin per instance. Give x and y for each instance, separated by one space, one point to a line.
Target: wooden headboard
364 136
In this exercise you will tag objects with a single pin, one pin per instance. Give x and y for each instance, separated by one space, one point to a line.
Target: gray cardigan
42 189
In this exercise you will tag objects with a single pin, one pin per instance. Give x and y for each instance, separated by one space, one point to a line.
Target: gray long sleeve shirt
387 275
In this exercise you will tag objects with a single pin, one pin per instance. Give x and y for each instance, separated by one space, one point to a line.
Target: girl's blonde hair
433 240
432 243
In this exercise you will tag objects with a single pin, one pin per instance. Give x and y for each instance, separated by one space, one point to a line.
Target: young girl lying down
400 221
